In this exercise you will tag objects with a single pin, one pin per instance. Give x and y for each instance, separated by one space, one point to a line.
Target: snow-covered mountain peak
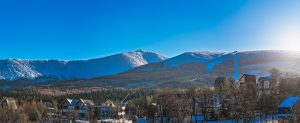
205 54
15 68
189 57
141 51
11 69
144 57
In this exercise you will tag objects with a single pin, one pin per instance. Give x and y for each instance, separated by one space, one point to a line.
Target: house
289 109
264 84
68 104
80 107
246 79
84 108
8 102
107 110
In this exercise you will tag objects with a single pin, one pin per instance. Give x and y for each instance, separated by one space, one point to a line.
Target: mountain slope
200 69
214 62
12 69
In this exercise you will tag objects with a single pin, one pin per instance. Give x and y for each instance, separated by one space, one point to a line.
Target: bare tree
274 79
205 101
248 99
9 115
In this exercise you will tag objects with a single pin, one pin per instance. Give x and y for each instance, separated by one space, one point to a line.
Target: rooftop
289 102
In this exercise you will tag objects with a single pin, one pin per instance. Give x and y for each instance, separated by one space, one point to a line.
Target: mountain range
192 69
148 69
12 69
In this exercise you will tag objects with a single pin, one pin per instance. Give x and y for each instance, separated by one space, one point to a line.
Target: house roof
284 115
264 78
87 102
289 102
246 78
109 102
141 120
72 101
197 118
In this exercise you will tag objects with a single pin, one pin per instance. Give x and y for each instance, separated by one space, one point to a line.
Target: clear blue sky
73 29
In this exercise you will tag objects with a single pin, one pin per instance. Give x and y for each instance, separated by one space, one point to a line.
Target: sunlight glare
287 38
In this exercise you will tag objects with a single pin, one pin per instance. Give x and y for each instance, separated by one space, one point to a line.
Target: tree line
223 101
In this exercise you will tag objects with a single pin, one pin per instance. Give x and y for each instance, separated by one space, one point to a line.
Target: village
150 61
250 99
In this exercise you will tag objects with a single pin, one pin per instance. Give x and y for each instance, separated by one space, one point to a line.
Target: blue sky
82 29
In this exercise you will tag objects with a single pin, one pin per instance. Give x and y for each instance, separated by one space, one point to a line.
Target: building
68 104
8 102
289 109
246 79
107 110
264 85
80 107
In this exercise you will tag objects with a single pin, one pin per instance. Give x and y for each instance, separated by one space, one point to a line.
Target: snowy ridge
189 57
260 60
213 63
12 69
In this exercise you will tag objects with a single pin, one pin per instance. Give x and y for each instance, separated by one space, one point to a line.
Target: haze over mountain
12 69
